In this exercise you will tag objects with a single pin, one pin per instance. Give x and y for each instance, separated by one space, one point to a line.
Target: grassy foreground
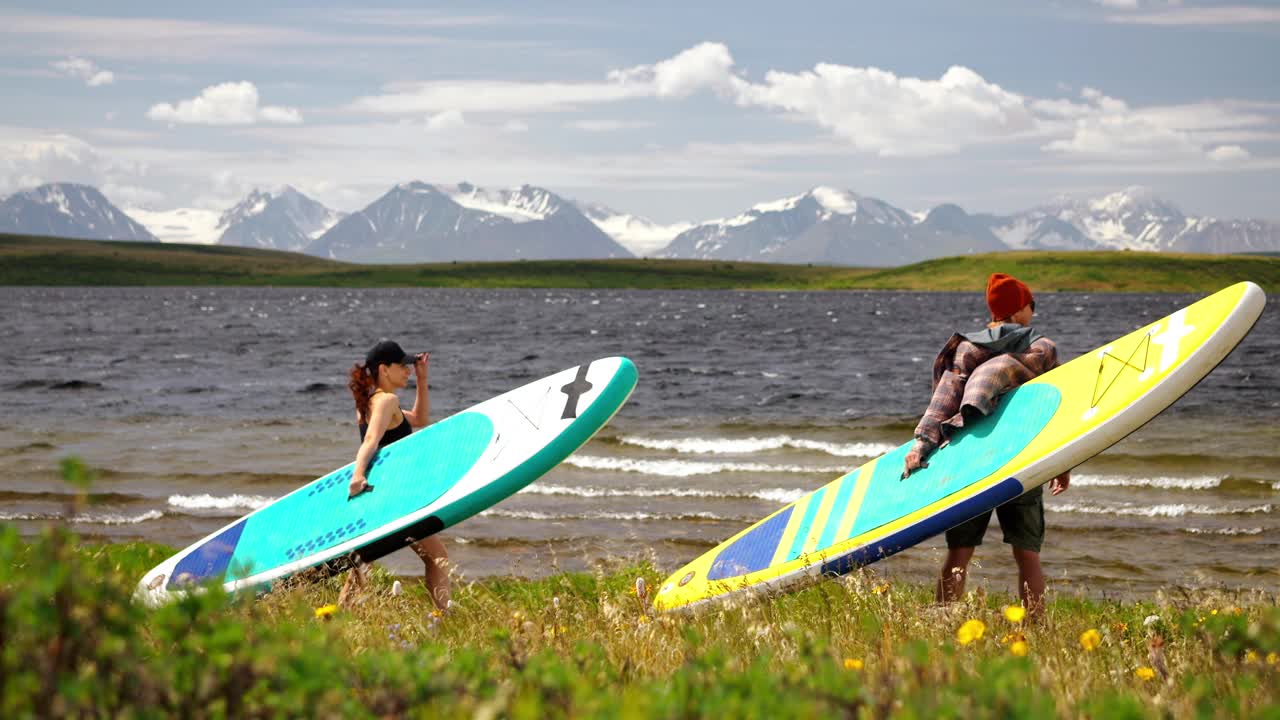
42 261
587 645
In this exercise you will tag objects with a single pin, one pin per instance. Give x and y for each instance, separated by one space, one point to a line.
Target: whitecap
749 445
689 468
214 502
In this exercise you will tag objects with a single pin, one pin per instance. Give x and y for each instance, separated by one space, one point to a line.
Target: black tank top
403 430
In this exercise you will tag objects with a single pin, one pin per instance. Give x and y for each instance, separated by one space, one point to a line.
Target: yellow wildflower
970 631
852 664
1015 613
1213 611
326 611
643 619
1090 639
1120 628
880 589
517 616
1145 673
1272 658
1251 656
1019 648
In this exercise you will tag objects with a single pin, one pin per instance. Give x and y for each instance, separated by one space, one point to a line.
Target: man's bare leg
951 584
1030 582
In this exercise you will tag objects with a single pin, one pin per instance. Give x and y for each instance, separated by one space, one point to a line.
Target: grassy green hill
26 260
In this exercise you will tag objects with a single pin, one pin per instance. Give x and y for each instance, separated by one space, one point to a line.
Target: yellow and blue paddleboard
1038 431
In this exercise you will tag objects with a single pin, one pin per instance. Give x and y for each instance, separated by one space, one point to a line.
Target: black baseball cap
387 352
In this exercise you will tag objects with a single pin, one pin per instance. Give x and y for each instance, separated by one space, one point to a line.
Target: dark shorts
1021 519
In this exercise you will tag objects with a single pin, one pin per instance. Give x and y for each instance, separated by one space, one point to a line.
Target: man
969 375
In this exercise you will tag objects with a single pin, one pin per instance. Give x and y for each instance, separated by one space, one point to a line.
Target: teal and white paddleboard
433 479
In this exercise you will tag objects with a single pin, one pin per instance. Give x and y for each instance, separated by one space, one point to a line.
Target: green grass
588 645
74 643
41 261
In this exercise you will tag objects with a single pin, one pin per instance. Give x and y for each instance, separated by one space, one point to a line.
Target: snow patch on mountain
183 225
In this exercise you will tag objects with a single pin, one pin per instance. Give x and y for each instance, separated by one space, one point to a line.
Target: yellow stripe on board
789 535
820 520
855 501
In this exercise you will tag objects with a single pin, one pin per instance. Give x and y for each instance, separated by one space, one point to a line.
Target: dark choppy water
198 405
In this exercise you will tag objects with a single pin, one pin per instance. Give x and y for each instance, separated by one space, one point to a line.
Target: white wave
689 468
105 519
215 502
1223 531
746 446
1170 510
119 519
535 515
1166 483
781 495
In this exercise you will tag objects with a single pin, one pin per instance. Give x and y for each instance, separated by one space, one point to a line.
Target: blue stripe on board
210 560
802 532
838 509
753 551
992 497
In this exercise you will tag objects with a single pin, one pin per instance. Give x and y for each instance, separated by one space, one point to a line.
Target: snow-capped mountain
285 220
416 222
1133 219
826 225
639 235
68 210
842 228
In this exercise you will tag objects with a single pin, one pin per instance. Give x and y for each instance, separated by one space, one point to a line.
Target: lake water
199 405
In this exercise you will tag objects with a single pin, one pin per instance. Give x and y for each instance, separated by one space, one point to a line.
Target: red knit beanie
1006 295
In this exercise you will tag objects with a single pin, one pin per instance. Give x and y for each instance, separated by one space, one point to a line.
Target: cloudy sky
675 111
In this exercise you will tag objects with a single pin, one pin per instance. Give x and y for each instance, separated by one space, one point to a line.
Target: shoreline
28 261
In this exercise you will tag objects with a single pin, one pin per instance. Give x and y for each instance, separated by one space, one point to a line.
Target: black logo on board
574 391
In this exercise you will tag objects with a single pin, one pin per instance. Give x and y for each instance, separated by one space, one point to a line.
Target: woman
381 421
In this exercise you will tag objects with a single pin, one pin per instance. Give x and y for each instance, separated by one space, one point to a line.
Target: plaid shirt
968 381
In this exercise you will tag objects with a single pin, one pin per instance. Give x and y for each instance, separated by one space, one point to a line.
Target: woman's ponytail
362 386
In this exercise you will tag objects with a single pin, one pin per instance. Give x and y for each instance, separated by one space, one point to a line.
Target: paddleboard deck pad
1038 431
431 480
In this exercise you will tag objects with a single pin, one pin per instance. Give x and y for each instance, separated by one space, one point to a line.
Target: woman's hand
1059 485
421 364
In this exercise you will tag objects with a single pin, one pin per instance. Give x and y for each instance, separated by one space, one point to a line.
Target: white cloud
230 103
872 110
603 126
447 120
29 158
515 126
878 111
85 70
491 96
707 65
1229 154
1113 135
1175 16
1106 127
